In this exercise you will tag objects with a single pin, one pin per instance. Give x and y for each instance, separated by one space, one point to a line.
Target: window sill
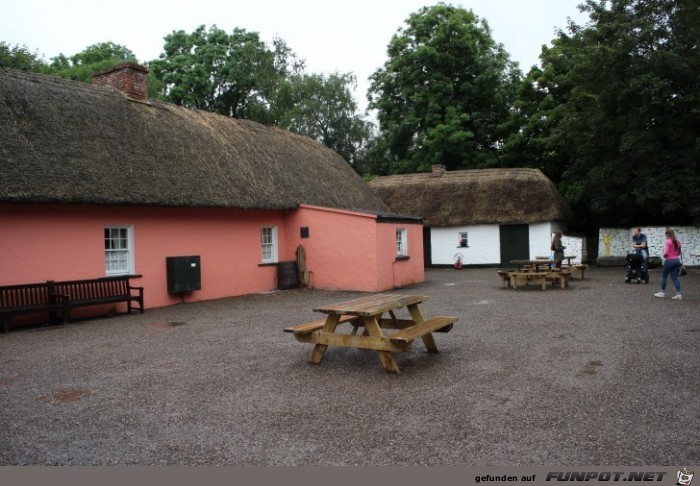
400 258
270 264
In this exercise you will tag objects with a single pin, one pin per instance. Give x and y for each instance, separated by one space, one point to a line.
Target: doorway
515 243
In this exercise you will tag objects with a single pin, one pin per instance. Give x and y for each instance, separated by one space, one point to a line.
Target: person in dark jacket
558 249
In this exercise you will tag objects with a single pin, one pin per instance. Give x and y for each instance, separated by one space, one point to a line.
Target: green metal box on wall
184 274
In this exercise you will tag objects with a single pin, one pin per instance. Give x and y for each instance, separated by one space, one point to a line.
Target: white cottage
485 216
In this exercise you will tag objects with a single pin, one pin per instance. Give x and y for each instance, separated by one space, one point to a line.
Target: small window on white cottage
464 240
119 250
268 240
401 242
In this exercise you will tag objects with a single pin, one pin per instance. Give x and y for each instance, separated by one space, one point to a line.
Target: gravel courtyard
601 373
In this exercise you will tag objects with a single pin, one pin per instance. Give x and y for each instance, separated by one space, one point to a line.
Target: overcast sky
331 35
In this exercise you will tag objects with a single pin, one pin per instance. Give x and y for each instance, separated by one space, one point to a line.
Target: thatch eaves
64 141
467 197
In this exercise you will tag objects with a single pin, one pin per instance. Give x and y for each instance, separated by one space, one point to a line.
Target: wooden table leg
320 349
428 339
372 329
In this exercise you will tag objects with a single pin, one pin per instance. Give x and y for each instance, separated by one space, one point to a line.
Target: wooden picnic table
568 258
368 312
523 265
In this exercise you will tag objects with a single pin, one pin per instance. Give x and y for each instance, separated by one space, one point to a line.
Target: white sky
331 35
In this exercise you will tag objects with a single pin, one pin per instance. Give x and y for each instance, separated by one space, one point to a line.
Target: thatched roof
484 196
64 141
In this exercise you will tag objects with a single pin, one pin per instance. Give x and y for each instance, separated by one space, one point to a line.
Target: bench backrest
94 288
25 295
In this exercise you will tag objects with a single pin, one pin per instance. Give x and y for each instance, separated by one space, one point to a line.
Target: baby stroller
635 268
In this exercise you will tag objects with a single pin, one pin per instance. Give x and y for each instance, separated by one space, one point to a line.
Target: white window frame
401 242
463 235
129 250
272 255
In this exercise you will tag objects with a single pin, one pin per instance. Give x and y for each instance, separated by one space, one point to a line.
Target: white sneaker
660 294
677 297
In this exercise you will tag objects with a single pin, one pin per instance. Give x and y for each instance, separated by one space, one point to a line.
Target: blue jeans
671 266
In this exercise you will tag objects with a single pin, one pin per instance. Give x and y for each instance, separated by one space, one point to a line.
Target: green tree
323 108
444 95
235 74
96 57
618 110
20 57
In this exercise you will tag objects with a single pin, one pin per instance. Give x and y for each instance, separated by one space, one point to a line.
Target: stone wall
617 242
575 245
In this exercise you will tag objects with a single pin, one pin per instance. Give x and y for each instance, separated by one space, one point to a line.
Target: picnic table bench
62 297
536 272
367 313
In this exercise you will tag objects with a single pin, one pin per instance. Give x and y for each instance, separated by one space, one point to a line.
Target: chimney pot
438 170
128 77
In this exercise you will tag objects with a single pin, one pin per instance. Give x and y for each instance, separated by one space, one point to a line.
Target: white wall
540 240
484 245
618 241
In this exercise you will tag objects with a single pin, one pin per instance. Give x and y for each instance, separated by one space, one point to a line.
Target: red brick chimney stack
128 77
438 170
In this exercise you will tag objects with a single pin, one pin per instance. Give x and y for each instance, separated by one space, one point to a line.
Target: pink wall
345 251
351 251
399 273
39 243
340 250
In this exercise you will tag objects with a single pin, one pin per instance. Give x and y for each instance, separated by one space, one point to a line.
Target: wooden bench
527 278
581 268
561 276
309 327
29 299
435 324
106 290
505 277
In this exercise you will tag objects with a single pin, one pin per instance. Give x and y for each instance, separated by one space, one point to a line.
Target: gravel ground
601 373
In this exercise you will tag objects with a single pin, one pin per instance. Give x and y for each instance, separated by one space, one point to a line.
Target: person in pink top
672 263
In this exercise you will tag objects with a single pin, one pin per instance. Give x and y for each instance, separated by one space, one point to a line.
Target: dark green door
515 243
427 247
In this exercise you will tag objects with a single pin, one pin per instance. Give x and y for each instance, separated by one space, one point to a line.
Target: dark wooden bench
29 299
106 290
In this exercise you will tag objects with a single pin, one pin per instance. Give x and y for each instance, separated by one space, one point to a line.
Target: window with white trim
401 242
119 250
464 239
268 244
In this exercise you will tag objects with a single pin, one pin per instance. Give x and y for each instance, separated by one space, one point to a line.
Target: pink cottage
97 180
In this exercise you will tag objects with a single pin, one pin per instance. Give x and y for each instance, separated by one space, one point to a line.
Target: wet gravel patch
601 373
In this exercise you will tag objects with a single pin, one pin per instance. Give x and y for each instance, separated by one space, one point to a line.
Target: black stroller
635 268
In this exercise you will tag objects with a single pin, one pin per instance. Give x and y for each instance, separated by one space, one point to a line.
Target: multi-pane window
268 244
118 250
464 239
401 242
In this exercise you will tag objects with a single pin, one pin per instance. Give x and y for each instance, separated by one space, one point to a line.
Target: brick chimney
128 77
438 170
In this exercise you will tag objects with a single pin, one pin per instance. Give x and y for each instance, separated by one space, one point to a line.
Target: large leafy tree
615 109
323 108
235 74
444 95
